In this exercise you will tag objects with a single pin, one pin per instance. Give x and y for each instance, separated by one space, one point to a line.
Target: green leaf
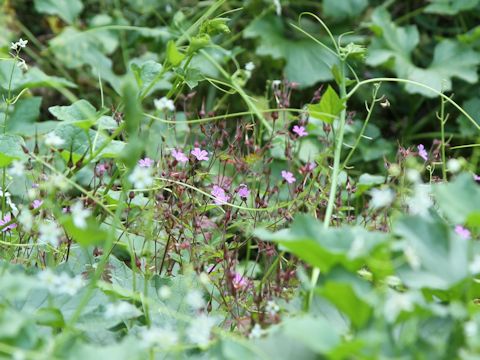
11 149
442 257
339 10
26 112
92 234
306 62
174 56
50 317
81 113
68 10
458 199
146 72
394 45
325 248
450 7
328 108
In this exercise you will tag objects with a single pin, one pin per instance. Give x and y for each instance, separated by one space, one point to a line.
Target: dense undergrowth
239 179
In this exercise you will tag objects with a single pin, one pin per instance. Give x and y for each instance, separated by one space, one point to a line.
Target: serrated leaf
328 108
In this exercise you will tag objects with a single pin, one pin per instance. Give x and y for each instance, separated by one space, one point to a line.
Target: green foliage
328 108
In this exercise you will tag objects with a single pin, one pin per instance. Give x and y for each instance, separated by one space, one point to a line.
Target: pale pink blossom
300 131
219 195
239 282
462 232
243 191
179 156
288 176
146 162
422 152
37 203
200 154
6 219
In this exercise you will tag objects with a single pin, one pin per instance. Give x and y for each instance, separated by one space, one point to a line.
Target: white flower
420 202
59 181
195 300
164 104
396 303
141 177
474 266
162 337
412 257
121 309
272 308
17 168
60 284
454 166
200 329
80 215
22 43
49 233
470 328
25 219
256 332
250 66
14 46
164 292
53 140
381 198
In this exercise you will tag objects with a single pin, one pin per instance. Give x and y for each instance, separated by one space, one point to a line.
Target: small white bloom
59 181
80 215
26 219
412 257
164 104
470 328
14 46
272 308
121 309
162 337
141 177
474 266
195 299
396 303
49 233
276 83
22 43
69 285
393 281
420 202
164 292
454 166
199 331
53 140
17 168
250 66
381 198
256 332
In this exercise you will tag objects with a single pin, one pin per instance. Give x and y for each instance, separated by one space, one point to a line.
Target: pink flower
219 195
200 154
100 169
299 130
243 191
36 203
462 232
179 156
476 177
146 162
239 282
6 219
288 176
422 152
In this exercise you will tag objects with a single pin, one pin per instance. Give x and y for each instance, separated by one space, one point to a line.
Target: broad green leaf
339 10
50 317
174 56
26 112
68 10
451 58
450 7
11 149
328 108
92 234
81 113
146 72
324 248
306 62
458 199
442 257
367 181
